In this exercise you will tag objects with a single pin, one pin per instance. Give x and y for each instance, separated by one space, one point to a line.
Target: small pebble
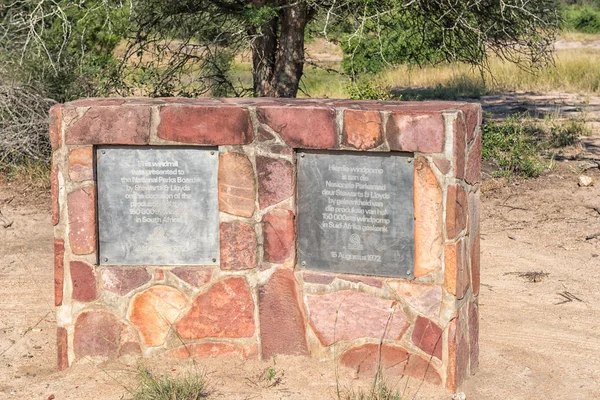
585 181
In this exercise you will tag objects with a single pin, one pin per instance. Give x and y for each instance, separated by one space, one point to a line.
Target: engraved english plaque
356 213
157 206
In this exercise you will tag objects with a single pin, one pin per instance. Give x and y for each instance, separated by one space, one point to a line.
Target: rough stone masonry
257 302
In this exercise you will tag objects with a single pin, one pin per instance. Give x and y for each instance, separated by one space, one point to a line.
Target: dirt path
535 343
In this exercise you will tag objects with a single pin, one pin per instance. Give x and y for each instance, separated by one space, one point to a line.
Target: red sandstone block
472 114
325 278
282 329
349 315
55 124
321 278
427 336
238 246
226 310
474 241
205 350
97 102
275 180
54 190
458 355
97 333
442 164
362 129
121 280
111 125
456 273
82 220
62 344
279 235
473 337
81 164
473 174
237 188
84 281
425 299
154 311
369 359
205 124
460 142
423 133
59 270
428 219
197 277
302 127
456 210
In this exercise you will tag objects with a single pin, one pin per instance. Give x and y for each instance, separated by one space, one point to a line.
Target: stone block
456 273
427 336
472 113
122 280
275 180
54 192
205 124
362 130
422 133
111 125
428 219
456 211
238 246
459 148
97 333
205 350
279 235
83 280
391 360
237 188
82 220
55 126
226 310
154 311
194 276
425 299
59 270
81 164
302 127
349 315
62 347
282 329
473 174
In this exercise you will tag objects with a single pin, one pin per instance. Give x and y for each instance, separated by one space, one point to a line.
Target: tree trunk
278 52
264 52
290 55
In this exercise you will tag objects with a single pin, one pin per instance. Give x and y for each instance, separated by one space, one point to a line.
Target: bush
584 19
368 90
513 146
567 133
23 126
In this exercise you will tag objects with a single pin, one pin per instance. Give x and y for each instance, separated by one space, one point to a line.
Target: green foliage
584 18
164 387
513 146
567 133
367 89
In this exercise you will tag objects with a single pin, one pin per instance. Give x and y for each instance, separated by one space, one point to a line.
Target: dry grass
575 71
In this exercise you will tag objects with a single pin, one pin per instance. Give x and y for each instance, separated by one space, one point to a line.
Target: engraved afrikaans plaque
355 213
157 206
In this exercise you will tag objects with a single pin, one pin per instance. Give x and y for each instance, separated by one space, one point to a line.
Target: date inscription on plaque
356 213
157 206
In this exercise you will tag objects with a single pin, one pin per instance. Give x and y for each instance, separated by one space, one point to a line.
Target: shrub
513 146
584 19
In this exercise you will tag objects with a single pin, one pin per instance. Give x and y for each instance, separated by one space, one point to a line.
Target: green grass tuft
163 387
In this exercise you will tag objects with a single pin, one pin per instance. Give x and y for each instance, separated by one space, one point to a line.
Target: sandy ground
539 340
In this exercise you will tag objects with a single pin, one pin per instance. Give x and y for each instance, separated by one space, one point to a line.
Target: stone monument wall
260 290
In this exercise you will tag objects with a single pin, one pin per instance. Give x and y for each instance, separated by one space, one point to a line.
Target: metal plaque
356 213
157 206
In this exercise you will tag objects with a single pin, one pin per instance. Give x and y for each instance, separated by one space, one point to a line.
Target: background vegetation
60 50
